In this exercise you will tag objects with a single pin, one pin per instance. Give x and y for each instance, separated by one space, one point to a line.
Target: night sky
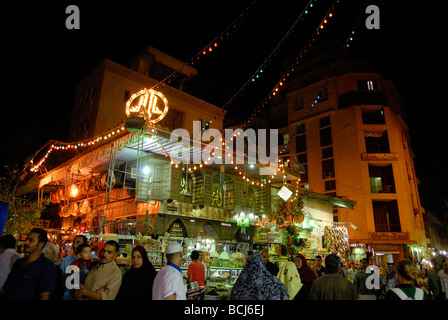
42 61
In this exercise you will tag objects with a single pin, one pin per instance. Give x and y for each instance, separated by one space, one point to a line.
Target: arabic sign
389 235
150 103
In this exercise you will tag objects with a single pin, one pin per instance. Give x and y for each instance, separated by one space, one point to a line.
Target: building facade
345 124
100 96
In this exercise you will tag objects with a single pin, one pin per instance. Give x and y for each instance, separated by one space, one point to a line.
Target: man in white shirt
168 284
8 256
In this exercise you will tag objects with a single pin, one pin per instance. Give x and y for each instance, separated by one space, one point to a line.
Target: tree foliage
22 211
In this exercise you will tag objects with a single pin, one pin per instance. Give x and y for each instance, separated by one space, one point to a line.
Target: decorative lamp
74 191
244 216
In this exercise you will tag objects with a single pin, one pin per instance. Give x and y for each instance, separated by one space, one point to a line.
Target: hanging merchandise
336 239
85 208
288 212
85 186
62 194
73 209
106 181
54 196
64 213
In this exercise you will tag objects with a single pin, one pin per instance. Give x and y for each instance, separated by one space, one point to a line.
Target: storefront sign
284 193
389 235
386 247
150 103
379 156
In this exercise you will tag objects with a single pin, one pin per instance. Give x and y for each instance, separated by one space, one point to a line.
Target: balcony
356 98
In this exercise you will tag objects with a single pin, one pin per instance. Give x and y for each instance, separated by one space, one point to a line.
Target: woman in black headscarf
256 283
137 281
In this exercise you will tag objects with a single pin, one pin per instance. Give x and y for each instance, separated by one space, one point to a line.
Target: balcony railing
382 189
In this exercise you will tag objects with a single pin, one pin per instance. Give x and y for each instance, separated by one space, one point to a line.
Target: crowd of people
40 274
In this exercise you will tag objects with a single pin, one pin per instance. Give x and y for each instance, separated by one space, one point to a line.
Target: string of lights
258 73
209 48
330 14
58 145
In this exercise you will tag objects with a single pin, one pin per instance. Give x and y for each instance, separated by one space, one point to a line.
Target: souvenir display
336 239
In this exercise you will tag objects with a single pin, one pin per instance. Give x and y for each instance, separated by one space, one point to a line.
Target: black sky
42 60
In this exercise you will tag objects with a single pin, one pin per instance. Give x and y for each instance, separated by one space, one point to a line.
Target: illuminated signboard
284 193
150 103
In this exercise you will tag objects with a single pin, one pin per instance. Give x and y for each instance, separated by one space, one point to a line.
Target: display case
156 257
221 279
222 275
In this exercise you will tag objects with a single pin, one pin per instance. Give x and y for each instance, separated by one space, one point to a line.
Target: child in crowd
83 260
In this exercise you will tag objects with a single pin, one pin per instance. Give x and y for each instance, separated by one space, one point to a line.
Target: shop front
130 187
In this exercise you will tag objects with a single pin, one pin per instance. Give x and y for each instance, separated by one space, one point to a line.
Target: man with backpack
407 274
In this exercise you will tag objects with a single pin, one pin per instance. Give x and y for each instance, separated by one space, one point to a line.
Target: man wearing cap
168 284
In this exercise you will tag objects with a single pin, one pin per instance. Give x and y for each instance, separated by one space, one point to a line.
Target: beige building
345 125
100 97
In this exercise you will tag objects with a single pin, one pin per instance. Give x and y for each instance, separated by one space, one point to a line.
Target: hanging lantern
73 191
244 216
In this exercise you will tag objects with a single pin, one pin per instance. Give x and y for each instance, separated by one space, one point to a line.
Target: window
367 85
377 142
298 103
302 158
322 92
325 137
373 117
381 179
322 95
299 129
385 215
299 132
283 139
301 143
327 153
324 122
330 185
328 169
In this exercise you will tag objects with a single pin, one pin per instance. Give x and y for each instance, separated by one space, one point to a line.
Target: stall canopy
128 146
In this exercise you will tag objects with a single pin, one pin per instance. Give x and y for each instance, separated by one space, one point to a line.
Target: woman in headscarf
50 250
307 276
138 280
255 282
290 277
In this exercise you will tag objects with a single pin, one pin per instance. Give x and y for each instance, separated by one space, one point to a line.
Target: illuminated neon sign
150 103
